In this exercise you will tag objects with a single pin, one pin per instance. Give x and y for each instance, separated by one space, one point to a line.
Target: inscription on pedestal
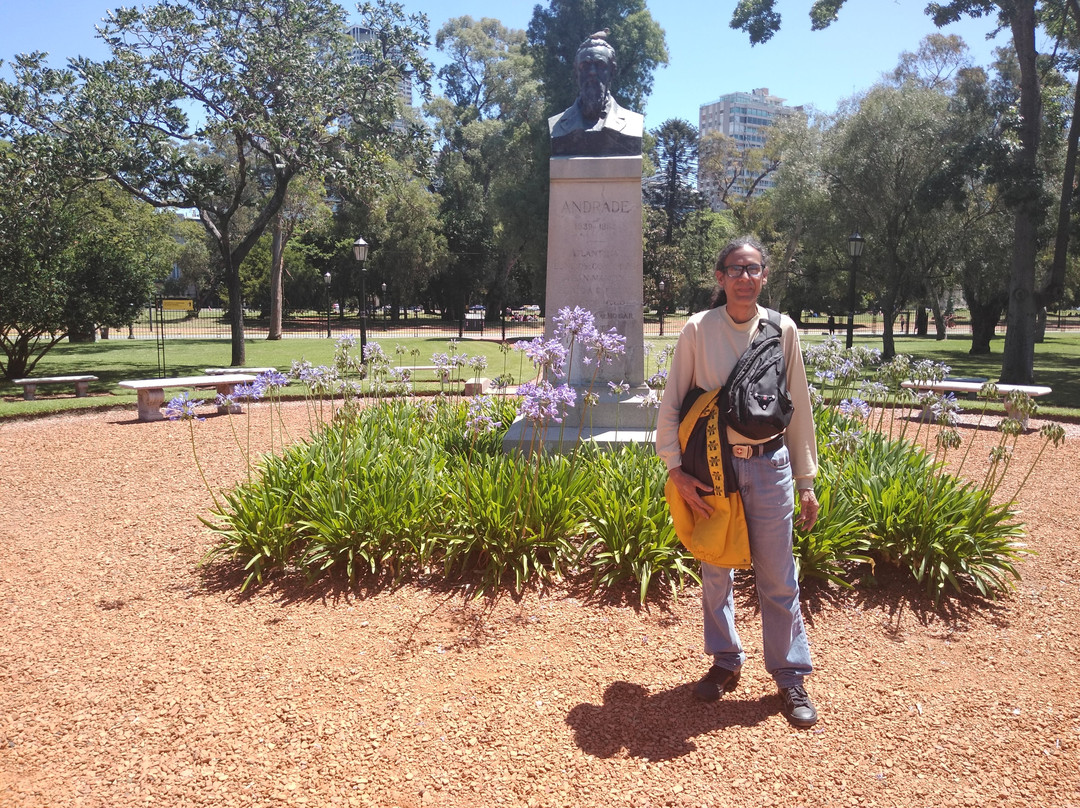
594 255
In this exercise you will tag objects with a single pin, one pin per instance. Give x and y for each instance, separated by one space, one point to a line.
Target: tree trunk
236 315
1054 285
984 320
1018 357
277 270
922 321
939 319
81 334
888 339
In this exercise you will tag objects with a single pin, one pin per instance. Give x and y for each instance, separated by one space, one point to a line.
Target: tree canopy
73 256
760 20
276 87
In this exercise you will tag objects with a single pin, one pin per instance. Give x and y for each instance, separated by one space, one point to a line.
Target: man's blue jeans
769 501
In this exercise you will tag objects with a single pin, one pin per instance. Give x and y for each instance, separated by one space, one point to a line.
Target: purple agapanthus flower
605 346
845 441
271 380
545 354
247 392
946 410
572 324
299 368
855 408
182 408
374 353
542 401
650 399
318 379
478 420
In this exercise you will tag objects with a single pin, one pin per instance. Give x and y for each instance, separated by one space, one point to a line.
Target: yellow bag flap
722 539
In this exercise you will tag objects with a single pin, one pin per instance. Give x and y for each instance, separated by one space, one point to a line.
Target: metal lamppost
360 251
382 300
855 246
660 306
326 283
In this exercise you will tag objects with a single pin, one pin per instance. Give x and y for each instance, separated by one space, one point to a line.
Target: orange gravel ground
131 677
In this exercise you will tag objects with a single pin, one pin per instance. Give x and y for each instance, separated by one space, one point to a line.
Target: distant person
832 325
595 126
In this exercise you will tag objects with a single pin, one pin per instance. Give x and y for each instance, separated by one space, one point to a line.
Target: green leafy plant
505 515
256 522
632 538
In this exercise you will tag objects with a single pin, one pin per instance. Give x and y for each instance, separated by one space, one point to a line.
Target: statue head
594 67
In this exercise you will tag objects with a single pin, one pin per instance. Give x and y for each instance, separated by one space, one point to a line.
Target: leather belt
747 450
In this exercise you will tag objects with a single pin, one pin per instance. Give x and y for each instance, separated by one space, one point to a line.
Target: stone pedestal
613 421
594 257
595 263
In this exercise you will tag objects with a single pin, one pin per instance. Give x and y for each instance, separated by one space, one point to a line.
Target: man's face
745 289
593 68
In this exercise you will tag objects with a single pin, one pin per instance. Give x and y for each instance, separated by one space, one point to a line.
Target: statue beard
593 98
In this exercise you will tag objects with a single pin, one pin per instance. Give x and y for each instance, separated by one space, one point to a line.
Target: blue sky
707 58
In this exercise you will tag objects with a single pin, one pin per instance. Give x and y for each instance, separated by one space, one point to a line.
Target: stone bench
440 372
152 391
230 371
973 387
82 384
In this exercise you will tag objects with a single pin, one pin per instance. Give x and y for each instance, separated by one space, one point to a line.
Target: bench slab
963 386
82 384
152 391
230 371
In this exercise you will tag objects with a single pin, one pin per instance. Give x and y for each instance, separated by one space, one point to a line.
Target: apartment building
745 118
361 35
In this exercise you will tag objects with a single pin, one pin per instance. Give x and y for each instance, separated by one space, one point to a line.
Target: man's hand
808 509
690 489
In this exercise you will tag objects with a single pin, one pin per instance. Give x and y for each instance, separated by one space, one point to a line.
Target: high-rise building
744 117
362 35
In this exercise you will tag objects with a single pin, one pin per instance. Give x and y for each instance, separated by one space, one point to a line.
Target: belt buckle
743 451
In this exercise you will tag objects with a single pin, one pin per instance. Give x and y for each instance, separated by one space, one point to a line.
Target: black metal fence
214 324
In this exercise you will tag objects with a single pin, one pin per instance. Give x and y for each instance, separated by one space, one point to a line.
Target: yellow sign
178 304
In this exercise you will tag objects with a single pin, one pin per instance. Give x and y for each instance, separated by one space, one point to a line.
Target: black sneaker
798 709
718 680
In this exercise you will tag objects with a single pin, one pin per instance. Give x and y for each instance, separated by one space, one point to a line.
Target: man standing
595 126
707 350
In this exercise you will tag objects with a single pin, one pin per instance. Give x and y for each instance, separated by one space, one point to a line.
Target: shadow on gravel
890 590
659 726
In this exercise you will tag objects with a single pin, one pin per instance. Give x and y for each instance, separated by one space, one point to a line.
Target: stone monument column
595 251
594 257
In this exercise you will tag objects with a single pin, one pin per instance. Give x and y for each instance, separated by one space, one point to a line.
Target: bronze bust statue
595 126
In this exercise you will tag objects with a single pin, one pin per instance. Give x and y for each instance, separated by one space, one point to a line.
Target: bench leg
82 389
477 387
28 391
1010 412
150 401
226 390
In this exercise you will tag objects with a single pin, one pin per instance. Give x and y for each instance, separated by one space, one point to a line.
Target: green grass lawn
1057 364
116 360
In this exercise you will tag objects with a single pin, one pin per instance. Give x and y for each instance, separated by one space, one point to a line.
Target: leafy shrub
891 497
632 538
504 516
404 486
